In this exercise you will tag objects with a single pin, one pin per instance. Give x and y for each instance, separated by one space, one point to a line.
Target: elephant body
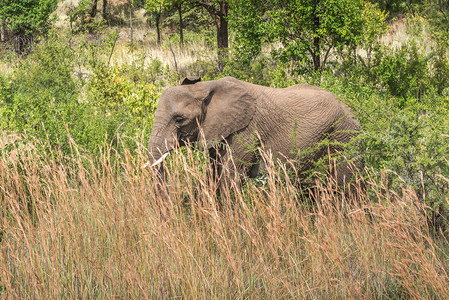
285 121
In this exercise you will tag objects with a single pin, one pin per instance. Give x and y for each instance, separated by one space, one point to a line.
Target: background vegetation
79 83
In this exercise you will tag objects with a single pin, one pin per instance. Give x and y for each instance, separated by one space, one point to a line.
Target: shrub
411 143
26 19
402 72
120 105
40 95
44 98
407 73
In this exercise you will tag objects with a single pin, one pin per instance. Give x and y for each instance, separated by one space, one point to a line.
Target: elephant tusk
157 161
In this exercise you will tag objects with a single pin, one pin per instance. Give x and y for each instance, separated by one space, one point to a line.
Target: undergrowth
103 226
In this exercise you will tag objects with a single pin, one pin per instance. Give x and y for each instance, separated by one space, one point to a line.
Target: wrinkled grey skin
245 116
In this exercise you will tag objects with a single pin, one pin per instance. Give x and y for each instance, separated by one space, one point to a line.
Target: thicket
24 20
52 96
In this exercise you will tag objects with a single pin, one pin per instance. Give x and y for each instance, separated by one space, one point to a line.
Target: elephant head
212 109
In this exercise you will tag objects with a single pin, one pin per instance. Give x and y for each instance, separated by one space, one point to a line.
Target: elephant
246 116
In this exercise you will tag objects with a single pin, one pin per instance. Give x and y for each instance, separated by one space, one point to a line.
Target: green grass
103 228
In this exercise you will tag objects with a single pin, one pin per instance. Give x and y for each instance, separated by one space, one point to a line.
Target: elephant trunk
156 155
158 147
157 151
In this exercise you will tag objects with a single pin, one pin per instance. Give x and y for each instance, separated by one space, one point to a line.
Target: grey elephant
245 116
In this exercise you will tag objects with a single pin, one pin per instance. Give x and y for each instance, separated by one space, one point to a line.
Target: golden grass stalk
75 226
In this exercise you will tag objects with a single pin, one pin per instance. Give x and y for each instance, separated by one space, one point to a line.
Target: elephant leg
255 169
223 168
220 175
345 177
230 164
343 170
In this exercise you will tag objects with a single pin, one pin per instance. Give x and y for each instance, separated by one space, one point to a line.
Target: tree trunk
181 25
93 11
131 19
219 16
222 26
3 30
409 6
105 11
71 20
222 43
222 35
316 55
158 28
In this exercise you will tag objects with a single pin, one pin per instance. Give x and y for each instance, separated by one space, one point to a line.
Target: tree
178 5
94 9
218 10
85 15
437 14
310 29
25 19
246 18
155 7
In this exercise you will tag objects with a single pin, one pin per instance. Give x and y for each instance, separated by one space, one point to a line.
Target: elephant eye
179 120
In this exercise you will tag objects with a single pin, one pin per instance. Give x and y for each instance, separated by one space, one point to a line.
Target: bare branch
326 57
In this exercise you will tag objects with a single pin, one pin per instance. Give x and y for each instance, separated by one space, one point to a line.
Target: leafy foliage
402 71
26 19
396 6
309 30
121 106
437 14
41 98
411 142
247 19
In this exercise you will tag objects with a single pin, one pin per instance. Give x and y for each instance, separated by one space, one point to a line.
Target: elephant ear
229 108
190 80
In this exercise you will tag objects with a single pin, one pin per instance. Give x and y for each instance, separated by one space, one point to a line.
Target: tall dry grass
82 227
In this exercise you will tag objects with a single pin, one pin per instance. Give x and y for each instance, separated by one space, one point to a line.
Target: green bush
411 143
121 105
40 95
403 72
407 73
45 98
439 70
137 72
26 19
262 70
